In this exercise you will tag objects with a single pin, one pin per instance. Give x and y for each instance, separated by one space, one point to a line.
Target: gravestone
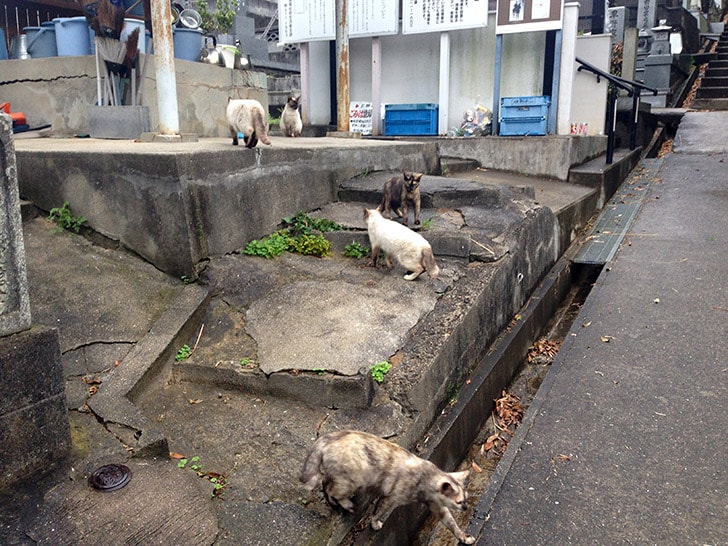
34 429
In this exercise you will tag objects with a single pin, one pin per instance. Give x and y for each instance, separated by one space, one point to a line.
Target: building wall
410 70
59 90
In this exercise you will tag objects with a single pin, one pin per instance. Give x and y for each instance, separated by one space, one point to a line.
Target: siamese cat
409 248
348 462
398 192
291 123
247 116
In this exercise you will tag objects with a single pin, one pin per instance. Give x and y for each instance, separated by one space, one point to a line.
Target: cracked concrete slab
336 325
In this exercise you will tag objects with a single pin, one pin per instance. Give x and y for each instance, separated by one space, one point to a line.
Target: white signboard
315 20
419 16
360 117
372 17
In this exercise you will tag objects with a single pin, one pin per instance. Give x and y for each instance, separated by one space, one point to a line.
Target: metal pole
376 85
444 86
164 67
635 116
497 83
342 62
612 117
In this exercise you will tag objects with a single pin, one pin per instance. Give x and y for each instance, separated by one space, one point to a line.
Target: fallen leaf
477 468
173 455
606 339
490 442
586 324
657 300
194 400
561 458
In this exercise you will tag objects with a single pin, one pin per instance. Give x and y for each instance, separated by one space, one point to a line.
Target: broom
118 56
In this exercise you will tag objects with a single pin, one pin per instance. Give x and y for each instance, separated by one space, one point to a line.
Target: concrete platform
121 322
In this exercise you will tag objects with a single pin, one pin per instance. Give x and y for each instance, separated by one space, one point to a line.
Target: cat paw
467 539
376 525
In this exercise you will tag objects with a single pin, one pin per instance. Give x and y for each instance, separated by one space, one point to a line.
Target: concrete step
458 164
708 92
716 72
710 104
714 81
435 191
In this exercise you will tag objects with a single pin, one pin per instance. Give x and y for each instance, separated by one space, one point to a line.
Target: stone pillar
34 429
14 303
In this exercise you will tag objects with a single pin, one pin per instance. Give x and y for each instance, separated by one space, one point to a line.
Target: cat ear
418 177
460 477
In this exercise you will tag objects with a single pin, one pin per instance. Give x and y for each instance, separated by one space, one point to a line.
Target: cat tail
261 129
311 473
428 262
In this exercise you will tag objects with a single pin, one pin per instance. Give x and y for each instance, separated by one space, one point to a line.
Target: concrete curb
114 404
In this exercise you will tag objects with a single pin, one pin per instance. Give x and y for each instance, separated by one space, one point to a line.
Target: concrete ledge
548 156
606 178
143 367
178 206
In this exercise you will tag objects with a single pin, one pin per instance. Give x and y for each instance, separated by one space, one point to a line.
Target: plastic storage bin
410 119
520 116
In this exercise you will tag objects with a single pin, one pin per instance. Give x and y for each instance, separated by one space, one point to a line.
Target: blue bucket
72 36
41 41
3 46
187 43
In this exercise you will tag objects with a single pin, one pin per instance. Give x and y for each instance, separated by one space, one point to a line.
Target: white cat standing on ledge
247 116
348 462
409 248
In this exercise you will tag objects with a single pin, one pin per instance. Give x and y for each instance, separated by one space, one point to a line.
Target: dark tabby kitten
398 192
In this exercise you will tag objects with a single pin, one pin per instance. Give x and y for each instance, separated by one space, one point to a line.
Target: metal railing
634 89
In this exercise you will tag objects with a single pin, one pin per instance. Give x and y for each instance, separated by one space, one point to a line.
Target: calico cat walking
409 248
247 116
347 462
398 191
291 123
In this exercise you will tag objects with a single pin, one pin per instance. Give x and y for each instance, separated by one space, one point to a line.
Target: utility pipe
342 62
164 68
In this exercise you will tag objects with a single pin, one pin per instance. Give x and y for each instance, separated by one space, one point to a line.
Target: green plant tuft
183 354
310 245
270 247
63 217
355 250
297 235
302 224
379 370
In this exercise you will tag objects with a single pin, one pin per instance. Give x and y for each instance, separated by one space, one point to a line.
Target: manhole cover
110 477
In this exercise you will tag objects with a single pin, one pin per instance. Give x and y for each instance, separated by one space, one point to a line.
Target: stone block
34 429
118 122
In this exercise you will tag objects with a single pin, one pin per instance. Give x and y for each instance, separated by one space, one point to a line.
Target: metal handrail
633 88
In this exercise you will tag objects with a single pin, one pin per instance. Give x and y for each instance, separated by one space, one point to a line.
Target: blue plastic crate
520 116
410 119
